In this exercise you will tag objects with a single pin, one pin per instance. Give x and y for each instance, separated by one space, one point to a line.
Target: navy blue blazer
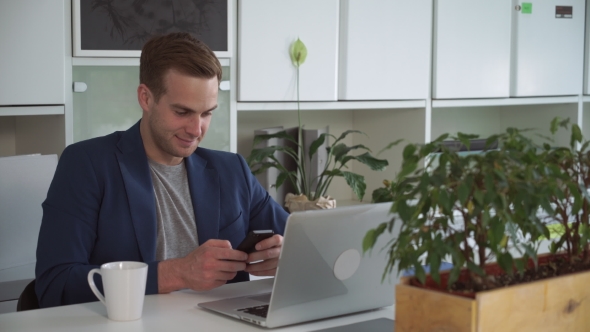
100 208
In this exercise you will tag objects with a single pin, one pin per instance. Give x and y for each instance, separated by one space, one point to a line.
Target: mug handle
93 286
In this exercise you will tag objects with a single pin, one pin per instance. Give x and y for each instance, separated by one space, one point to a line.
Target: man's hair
179 51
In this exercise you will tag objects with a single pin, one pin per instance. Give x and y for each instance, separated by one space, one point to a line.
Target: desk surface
177 311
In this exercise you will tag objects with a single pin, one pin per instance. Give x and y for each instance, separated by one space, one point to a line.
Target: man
148 194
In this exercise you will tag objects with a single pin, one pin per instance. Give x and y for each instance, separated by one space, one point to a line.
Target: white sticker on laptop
347 264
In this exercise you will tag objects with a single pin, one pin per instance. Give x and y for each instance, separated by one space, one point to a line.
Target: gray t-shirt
177 230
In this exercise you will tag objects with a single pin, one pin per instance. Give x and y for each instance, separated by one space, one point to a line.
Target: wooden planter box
554 304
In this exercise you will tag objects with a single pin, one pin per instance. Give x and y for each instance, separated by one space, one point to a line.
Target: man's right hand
209 266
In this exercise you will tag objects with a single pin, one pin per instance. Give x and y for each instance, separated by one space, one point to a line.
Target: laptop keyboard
260 310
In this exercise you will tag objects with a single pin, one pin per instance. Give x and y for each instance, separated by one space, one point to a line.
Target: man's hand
209 266
268 252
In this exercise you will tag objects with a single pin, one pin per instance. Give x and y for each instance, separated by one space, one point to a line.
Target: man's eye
181 112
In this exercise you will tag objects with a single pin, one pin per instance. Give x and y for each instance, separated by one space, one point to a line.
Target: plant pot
301 203
553 304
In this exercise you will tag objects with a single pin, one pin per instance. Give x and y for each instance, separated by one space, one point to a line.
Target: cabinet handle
224 86
80 87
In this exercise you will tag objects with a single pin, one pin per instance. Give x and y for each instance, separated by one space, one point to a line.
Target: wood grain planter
554 304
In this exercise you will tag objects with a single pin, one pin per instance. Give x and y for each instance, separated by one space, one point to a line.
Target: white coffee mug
124 289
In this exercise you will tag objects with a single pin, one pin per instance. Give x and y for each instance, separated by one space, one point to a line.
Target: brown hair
179 51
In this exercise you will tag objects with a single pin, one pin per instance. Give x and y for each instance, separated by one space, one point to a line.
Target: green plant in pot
311 191
568 199
488 213
461 207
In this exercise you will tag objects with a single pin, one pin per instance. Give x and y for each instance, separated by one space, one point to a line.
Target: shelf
330 105
390 104
94 61
32 110
442 103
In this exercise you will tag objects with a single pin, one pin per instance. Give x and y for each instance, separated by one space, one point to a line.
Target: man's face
176 124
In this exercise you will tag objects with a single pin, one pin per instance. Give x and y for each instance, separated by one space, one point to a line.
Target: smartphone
252 238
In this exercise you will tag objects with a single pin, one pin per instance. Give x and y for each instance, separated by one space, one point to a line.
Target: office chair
28 298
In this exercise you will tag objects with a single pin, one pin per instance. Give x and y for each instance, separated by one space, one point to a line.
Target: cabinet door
266 30
548 48
471 49
110 104
385 49
32 56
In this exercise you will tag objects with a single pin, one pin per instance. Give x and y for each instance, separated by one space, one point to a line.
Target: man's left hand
268 251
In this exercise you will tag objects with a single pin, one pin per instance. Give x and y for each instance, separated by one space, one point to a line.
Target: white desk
177 311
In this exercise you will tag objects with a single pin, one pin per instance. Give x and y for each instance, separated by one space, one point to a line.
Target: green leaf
281 135
466 139
333 172
475 268
445 202
577 197
506 262
531 252
454 275
340 150
404 210
479 197
553 248
491 140
554 125
520 265
390 145
559 243
434 261
281 178
357 183
298 53
463 192
316 144
374 163
407 168
409 151
371 237
259 155
344 134
497 231
576 135
381 195
263 166
420 273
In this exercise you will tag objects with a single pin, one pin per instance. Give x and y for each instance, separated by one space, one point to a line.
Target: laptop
322 271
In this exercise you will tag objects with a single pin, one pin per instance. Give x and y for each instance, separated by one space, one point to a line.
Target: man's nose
194 127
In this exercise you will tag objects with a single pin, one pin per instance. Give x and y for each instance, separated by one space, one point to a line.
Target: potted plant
488 214
311 191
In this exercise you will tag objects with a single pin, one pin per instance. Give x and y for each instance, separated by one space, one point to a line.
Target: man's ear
144 97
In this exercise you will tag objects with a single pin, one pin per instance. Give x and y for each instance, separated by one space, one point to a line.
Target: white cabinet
471 49
548 48
385 49
110 104
266 30
32 56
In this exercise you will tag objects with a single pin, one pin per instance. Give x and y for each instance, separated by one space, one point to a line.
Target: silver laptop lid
322 271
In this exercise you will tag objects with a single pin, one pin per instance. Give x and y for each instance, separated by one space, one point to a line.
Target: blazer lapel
205 195
140 193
